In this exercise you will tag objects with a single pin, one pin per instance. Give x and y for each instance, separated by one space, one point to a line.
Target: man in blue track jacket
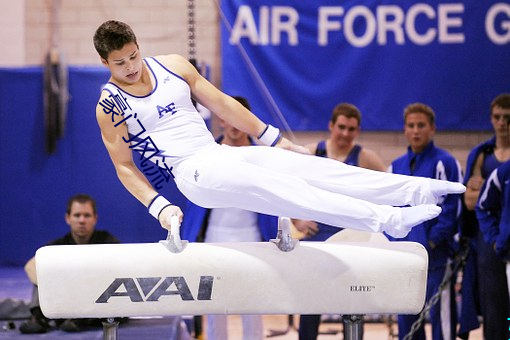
424 159
484 277
493 211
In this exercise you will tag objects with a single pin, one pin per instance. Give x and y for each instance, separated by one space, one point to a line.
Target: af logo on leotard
169 109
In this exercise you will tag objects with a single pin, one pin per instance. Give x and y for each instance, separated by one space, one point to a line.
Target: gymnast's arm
224 106
474 184
127 171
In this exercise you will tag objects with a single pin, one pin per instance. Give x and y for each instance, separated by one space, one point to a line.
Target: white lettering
244 26
264 25
445 22
369 34
284 19
413 35
384 13
422 24
325 25
273 23
490 23
360 25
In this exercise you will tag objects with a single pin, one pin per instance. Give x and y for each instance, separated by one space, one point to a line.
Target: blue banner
295 60
35 185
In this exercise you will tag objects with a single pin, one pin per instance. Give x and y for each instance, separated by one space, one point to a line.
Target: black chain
191 30
459 263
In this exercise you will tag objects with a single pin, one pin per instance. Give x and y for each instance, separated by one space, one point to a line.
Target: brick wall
161 27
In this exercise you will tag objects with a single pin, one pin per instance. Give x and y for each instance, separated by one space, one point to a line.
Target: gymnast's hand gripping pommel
164 211
173 241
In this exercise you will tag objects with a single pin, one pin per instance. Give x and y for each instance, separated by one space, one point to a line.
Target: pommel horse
173 277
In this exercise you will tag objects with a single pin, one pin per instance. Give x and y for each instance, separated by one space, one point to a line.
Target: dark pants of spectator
493 290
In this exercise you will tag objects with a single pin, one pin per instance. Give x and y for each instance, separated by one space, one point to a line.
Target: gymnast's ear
104 62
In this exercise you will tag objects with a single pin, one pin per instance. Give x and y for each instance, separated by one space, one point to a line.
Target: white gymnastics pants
278 182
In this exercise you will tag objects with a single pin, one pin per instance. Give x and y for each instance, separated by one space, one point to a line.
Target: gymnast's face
82 221
125 64
419 131
344 131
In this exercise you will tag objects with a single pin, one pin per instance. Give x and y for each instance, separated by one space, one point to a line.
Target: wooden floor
159 329
279 323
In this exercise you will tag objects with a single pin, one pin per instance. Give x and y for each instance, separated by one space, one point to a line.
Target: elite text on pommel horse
173 277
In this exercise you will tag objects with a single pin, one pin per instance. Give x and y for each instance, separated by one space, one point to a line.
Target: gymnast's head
112 36
116 44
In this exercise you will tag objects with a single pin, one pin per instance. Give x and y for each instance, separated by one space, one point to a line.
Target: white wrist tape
270 136
157 205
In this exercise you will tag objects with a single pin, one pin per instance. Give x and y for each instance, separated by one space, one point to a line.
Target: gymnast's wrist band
270 136
157 205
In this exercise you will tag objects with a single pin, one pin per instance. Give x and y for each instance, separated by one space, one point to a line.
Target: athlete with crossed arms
153 105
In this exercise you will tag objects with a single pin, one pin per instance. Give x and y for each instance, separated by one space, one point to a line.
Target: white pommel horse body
153 279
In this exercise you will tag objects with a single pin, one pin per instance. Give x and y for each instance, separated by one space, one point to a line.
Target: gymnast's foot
442 188
436 191
412 216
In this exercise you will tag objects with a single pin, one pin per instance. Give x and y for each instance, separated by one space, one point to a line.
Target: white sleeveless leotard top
165 119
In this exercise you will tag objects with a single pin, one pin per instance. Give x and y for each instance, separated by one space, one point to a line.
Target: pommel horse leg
353 327
110 329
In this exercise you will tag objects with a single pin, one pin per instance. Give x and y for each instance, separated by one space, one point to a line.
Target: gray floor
134 329
15 287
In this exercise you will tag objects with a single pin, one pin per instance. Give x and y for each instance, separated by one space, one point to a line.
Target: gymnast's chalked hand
165 217
286 144
308 228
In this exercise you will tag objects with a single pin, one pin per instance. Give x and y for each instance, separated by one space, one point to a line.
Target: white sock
412 216
442 188
434 191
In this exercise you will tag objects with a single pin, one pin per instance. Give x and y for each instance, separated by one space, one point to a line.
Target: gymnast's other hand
286 144
166 215
475 183
308 228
